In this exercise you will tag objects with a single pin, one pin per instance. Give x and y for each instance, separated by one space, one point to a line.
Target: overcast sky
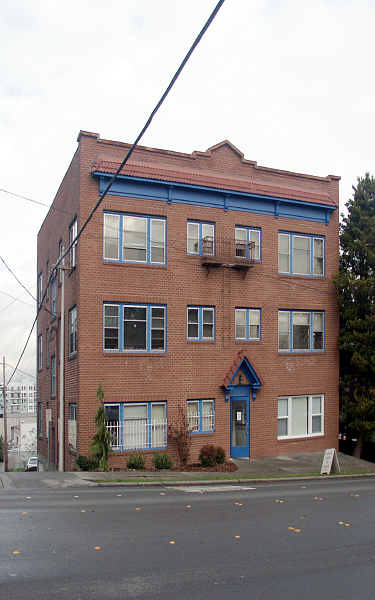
290 83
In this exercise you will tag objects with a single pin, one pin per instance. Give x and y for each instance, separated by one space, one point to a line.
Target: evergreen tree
102 439
356 295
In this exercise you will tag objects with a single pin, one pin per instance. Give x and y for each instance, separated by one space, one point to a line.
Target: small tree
179 434
356 295
102 439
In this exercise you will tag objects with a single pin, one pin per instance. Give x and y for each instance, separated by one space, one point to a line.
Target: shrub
162 461
220 455
179 435
207 456
136 461
86 463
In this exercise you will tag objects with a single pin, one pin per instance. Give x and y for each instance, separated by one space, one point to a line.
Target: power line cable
16 278
113 179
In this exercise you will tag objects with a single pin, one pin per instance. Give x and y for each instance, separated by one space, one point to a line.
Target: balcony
231 254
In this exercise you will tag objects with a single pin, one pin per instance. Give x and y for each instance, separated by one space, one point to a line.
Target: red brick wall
192 370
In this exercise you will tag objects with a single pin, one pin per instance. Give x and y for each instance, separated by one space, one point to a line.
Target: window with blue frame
200 238
134 238
247 324
200 323
53 296
40 289
301 254
247 242
137 426
134 327
201 416
301 331
53 376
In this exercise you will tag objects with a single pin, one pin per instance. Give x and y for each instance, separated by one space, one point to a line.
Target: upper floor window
200 238
247 242
301 331
300 416
60 255
53 375
73 249
47 348
40 352
200 323
134 328
301 254
53 296
40 289
132 238
73 330
247 324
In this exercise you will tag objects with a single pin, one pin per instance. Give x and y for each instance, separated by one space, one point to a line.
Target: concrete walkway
293 465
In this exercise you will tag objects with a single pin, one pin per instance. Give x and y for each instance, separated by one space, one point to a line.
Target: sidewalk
265 469
287 466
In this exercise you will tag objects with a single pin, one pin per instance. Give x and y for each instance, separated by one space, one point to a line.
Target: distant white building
21 415
21 399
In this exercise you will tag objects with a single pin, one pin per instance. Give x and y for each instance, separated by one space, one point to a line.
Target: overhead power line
16 278
123 163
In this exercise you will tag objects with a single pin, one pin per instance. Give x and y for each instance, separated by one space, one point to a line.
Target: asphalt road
283 541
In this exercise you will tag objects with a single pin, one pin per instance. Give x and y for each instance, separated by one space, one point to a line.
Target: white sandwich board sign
330 462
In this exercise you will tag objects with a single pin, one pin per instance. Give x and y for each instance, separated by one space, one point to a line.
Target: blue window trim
149 417
53 376
311 340
248 229
200 337
149 218
248 338
200 413
148 307
312 236
200 223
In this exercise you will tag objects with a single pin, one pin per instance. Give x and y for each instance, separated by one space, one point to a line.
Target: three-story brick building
203 283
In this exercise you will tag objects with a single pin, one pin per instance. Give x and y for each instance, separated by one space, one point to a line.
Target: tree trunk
358 447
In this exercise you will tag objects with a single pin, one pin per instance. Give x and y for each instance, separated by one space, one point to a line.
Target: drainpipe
62 365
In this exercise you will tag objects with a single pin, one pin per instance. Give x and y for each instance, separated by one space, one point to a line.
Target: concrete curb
190 482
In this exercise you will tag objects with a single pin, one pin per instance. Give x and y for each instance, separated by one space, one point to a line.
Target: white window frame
73 229
196 426
73 334
40 352
249 231
201 337
248 312
40 288
291 270
309 416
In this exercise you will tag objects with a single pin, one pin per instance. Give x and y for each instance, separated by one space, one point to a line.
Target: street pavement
272 540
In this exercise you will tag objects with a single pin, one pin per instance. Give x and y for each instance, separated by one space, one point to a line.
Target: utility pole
5 421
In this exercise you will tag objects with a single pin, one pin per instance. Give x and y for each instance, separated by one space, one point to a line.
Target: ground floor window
72 425
201 416
300 416
137 426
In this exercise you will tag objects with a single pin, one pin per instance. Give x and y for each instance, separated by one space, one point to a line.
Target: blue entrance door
239 431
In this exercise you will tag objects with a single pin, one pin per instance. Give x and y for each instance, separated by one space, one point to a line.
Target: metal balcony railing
227 253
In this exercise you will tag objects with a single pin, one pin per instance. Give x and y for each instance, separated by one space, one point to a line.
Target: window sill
193 341
319 277
201 432
118 263
301 438
299 352
124 354
72 356
244 341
